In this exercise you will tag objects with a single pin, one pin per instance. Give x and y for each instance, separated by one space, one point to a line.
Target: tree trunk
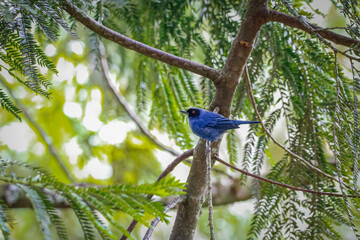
189 210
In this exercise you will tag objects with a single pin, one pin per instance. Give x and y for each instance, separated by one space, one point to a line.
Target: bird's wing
220 122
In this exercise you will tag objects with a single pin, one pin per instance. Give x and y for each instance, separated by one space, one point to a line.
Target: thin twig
302 160
41 132
174 163
285 112
331 28
208 163
168 169
122 101
153 224
282 184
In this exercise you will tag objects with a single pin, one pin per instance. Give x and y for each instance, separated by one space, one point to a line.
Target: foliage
93 206
21 55
294 83
307 87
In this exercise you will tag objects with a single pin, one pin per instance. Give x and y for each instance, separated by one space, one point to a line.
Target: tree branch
168 169
189 210
174 163
294 22
13 197
139 47
313 31
283 184
122 101
224 194
302 160
153 224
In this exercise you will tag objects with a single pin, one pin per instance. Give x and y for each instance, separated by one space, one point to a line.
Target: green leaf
232 147
7 104
5 221
40 211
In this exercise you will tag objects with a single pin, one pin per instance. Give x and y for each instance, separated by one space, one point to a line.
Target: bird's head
192 112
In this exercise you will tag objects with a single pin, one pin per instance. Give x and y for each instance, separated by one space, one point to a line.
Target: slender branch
122 101
310 28
174 163
153 224
139 47
168 169
294 22
302 160
208 163
10 194
282 184
224 193
319 29
41 132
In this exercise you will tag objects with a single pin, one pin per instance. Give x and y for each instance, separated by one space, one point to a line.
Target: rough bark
189 210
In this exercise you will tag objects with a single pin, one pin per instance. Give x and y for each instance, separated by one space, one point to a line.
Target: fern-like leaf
5 221
7 104
40 210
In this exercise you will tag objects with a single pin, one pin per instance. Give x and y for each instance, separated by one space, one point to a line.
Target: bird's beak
184 112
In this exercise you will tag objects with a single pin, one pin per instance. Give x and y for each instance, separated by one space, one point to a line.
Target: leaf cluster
301 74
95 207
21 22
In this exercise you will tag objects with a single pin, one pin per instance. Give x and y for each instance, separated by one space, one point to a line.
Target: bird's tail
238 122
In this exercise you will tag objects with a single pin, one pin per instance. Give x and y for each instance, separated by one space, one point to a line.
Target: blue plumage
209 125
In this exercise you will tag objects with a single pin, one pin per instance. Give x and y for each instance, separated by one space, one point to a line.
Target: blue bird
209 125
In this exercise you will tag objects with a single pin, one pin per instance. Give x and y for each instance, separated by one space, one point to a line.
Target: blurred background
100 144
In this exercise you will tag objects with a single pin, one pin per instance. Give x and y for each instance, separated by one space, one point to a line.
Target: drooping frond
7 104
6 221
232 145
343 137
54 216
40 210
305 91
20 53
88 203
